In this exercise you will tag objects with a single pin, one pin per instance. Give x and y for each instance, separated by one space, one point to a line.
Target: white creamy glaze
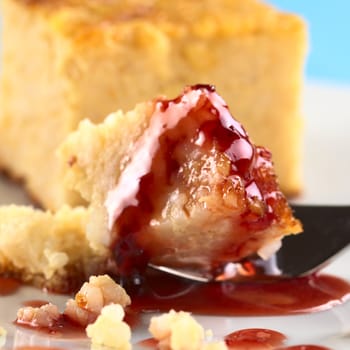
124 194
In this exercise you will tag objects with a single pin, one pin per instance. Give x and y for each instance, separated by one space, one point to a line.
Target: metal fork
326 234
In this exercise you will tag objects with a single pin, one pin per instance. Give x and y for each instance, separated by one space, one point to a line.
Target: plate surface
326 169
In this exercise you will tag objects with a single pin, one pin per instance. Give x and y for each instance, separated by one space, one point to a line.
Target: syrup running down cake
90 55
176 183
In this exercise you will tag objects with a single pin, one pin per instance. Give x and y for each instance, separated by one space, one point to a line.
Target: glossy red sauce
66 328
148 343
63 328
8 286
250 339
255 338
161 292
176 163
132 318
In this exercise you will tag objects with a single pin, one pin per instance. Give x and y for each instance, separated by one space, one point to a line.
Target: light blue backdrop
329 25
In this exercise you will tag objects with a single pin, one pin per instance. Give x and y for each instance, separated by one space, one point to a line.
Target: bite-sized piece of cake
110 330
46 249
46 315
177 183
3 334
90 55
92 297
83 310
179 331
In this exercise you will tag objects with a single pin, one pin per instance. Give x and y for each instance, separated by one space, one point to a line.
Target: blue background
329 27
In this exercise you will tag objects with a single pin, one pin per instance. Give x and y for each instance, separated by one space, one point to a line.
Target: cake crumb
180 331
3 334
92 297
44 316
109 329
83 309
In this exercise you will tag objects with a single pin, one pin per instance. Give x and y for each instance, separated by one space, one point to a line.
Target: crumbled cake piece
177 331
92 297
3 334
84 309
109 329
91 54
46 249
99 306
181 183
180 331
44 316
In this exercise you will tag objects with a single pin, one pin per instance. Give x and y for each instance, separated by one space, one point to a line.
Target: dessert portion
90 55
112 320
176 330
179 330
173 182
83 310
100 307
110 330
3 334
46 249
92 297
176 183
46 315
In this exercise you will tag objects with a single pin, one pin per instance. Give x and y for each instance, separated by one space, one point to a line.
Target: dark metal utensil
326 233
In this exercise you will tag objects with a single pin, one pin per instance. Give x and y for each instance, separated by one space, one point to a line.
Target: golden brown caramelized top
206 18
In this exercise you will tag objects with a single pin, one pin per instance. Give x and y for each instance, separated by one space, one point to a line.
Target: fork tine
326 233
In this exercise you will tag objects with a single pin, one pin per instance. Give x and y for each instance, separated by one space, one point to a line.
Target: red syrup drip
221 136
161 292
255 338
8 286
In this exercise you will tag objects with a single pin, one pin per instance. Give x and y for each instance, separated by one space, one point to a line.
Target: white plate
327 166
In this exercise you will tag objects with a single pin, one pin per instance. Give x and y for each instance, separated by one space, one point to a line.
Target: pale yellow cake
45 249
65 60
